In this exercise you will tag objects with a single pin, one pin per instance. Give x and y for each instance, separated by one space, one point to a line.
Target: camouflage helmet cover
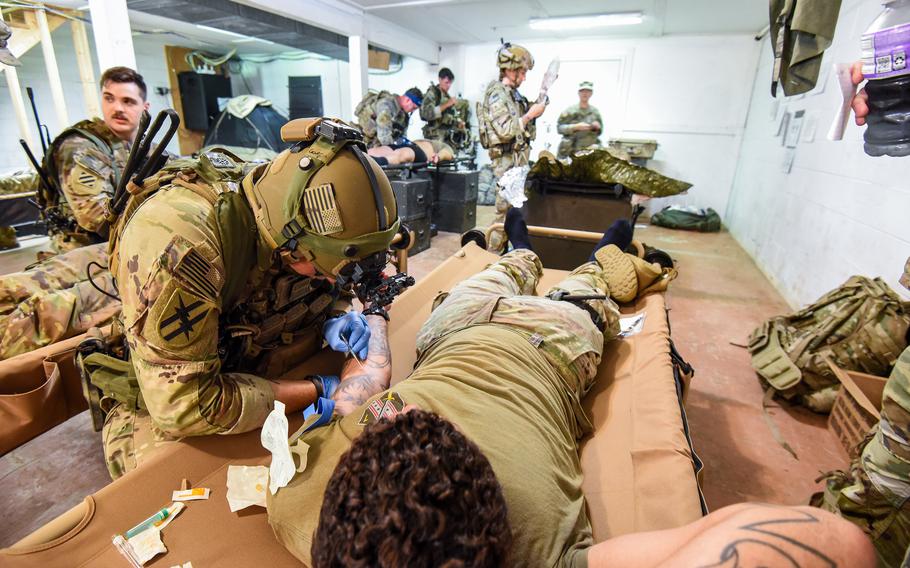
323 200
512 56
6 56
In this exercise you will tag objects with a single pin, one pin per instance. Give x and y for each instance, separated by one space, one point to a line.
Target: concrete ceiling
472 21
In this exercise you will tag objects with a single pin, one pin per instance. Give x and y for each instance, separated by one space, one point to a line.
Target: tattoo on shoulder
766 540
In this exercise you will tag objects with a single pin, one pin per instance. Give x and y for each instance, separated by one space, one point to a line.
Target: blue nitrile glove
352 327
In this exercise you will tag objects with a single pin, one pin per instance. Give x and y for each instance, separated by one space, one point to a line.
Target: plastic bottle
885 46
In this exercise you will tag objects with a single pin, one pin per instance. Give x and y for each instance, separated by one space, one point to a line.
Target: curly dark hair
412 491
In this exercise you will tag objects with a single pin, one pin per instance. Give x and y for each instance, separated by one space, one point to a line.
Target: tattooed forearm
354 391
361 380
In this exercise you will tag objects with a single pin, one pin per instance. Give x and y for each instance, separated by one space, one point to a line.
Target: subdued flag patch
321 210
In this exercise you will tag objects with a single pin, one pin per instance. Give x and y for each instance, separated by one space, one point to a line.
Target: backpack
860 326
689 219
96 132
368 101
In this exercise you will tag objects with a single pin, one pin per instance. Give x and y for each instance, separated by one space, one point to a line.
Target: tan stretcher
639 471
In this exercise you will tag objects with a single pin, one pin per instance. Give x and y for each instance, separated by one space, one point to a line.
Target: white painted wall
688 92
270 80
838 212
151 64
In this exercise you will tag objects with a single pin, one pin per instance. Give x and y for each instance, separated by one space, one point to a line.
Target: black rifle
43 133
42 175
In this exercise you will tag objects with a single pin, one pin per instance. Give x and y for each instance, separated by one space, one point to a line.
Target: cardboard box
857 408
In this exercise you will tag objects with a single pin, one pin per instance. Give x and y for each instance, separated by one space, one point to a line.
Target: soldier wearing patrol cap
506 121
84 163
580 124
226 281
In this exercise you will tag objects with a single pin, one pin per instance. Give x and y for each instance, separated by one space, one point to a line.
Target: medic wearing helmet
226 286
506 121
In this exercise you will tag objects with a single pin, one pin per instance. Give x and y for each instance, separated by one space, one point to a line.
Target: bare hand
448 104
582 127
535 110
596 126
860 101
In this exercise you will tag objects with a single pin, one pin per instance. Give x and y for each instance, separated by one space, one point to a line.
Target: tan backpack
861 326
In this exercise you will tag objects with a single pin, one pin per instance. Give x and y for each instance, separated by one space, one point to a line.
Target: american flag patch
321 211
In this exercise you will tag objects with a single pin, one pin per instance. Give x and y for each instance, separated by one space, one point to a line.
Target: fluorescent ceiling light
592 21
405 4
211 29
252 39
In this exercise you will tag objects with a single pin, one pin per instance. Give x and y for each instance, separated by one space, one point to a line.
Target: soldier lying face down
226 282
473 460
416 152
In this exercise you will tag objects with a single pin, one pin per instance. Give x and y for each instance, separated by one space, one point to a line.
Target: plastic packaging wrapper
246 486
512 185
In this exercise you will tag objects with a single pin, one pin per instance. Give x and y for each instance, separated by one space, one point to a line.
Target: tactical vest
399 128
861 326
368 102
51 198
271 329
489 139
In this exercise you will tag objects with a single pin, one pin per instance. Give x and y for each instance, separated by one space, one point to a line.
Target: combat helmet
323 200
512 56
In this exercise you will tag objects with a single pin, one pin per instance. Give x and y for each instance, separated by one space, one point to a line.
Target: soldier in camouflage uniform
444 115
7 233
383 117
220 290
85 161
875 493
580 125
54 300
506 122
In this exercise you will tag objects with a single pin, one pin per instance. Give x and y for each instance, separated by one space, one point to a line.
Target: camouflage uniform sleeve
385 118
429 109
170 282
565 120
344 303
598 119
505 118
87 182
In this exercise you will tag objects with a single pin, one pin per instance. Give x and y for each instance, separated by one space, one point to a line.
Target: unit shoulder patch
182 318
386 407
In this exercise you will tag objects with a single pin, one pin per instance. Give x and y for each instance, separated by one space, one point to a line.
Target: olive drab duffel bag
687 218
861 326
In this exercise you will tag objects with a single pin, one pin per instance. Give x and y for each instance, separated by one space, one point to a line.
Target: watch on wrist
376 311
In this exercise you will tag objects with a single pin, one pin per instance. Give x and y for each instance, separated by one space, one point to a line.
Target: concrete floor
719 297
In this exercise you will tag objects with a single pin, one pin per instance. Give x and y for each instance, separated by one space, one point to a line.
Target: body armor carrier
277 325
54 210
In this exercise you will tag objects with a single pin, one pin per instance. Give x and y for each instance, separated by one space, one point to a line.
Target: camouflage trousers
65 242
504 294
500 166
53 300
129 437
875 493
